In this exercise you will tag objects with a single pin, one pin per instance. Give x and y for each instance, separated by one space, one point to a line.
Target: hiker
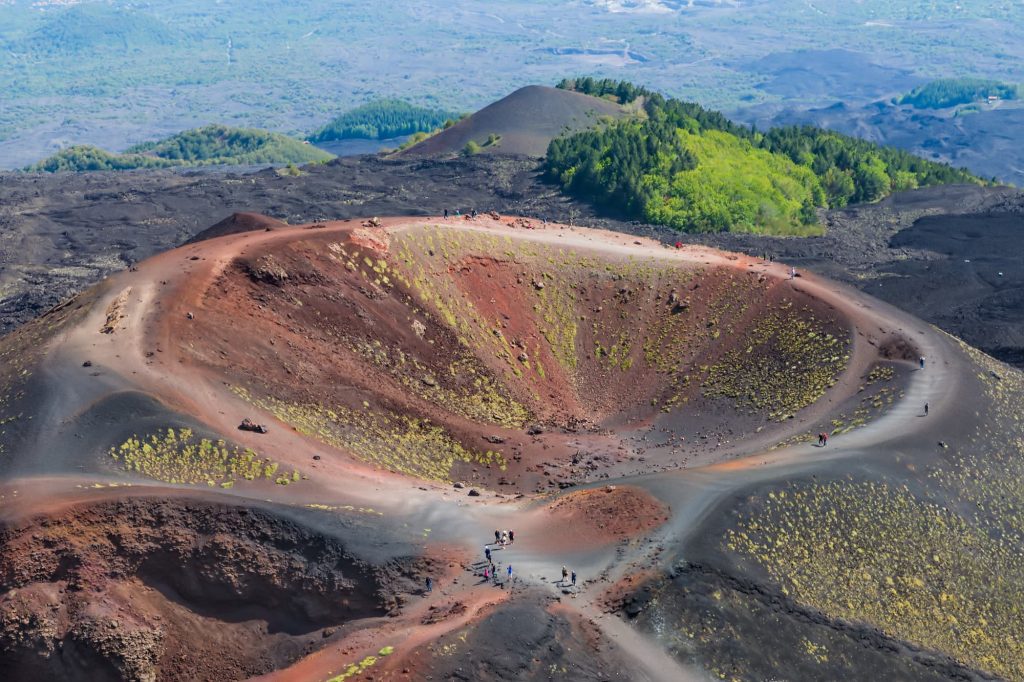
446 214
574 578
430 585
792 273
487 552
565 575
510 571
926 409
821 439
497 536
921 361
458 213
504 538
511 536
824 437
487 574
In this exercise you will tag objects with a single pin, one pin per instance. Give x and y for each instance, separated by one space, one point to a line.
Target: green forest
949 92
383 119
209 145
684 166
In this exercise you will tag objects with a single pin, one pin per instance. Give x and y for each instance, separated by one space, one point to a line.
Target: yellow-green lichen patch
789 361
465 387
398 443
180 457
867 551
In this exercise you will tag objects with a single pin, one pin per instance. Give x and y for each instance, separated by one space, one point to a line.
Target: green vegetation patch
399 443
732 185
679 164
789 362
383 119
180 457
949 92
210 145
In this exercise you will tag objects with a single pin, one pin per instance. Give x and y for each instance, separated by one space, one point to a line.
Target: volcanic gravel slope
642 415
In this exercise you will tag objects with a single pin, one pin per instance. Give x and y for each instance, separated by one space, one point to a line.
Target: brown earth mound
602 515
239 222
152 589
525 121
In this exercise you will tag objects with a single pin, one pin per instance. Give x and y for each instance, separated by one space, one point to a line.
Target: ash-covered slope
524 123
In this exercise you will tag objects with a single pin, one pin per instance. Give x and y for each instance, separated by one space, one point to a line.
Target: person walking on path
574 578
446 214
920 361
497 536
511 536
510 571
565 575
821 440
926 409
824 436
487 552
487 574
430 585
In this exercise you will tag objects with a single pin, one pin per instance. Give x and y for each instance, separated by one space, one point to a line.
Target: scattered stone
249 425
459 485
87 363
473 492
429 381
496 440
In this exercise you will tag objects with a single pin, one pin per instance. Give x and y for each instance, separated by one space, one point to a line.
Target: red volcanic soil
500 354
600 516
177 589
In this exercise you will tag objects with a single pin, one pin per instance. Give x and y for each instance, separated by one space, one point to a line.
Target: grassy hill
207 146
383 119
678 164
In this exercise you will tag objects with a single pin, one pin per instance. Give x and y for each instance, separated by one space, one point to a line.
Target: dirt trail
154 300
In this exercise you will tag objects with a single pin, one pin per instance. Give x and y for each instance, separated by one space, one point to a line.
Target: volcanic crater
421 382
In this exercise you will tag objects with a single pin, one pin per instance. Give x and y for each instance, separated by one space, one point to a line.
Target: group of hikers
502 538
458 214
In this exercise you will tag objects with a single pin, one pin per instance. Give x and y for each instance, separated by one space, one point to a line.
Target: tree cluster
681 165
383 119
949 92
210 145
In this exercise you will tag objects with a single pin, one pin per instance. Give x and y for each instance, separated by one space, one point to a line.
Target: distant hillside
695 170
949 92
523 123
95 27
211 145
383 119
